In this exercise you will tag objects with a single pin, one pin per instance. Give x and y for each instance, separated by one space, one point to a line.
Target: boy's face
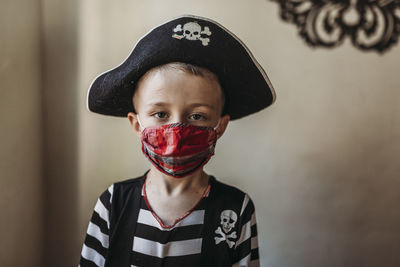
169 96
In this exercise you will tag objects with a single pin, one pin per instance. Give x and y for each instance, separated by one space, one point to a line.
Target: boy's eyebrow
202 104
158 104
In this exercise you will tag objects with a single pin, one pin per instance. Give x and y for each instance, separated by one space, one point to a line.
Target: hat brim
246 86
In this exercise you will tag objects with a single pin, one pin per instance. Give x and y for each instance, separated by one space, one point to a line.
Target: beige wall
20 134
321 164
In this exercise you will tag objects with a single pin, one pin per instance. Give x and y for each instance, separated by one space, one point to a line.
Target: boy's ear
132 117
222 125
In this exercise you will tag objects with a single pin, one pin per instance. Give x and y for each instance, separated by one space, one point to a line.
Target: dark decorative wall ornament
371 25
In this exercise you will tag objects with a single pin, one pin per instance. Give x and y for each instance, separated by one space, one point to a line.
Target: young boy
179 88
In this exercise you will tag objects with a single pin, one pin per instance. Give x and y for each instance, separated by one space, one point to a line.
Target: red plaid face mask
178 149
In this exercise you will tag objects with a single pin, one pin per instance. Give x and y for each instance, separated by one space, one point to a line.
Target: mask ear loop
216 127
140 124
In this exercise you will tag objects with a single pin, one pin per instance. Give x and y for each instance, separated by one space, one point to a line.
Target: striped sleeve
246 247
94 250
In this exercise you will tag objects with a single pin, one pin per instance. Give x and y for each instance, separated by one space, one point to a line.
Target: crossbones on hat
190 39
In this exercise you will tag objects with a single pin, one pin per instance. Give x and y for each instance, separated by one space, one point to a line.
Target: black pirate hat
190 39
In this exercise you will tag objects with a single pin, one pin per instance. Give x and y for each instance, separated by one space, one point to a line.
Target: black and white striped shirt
178 245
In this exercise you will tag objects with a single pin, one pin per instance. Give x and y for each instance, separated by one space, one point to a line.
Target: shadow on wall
60 64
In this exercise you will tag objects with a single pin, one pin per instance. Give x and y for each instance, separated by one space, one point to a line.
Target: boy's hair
188 68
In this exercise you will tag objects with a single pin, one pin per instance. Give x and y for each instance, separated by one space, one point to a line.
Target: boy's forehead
173 86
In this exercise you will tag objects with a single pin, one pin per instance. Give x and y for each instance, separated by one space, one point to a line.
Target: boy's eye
160 115
196 117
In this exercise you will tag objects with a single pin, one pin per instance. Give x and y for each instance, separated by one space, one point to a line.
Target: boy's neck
170 186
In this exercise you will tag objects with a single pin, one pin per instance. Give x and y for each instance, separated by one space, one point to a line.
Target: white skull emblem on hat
192 31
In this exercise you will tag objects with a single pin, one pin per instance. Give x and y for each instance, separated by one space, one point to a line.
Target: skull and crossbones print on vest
227 223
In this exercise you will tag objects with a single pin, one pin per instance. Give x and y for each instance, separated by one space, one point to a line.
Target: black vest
124 212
